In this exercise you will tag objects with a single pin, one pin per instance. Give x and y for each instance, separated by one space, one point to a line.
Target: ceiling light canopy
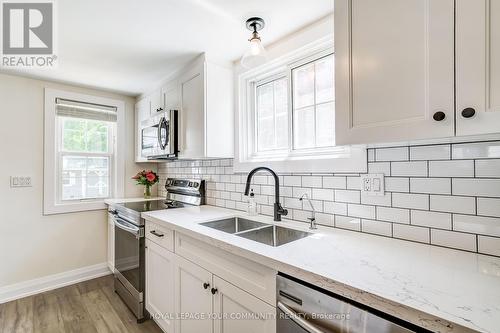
256 54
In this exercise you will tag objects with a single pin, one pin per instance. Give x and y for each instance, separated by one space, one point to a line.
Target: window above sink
286 115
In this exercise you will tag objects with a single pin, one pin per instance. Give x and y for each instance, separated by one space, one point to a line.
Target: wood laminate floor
87 307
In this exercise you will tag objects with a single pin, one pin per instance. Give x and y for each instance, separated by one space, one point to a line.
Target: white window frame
51 202
337 159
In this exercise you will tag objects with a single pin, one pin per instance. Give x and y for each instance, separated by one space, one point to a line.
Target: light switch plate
372 184
23 181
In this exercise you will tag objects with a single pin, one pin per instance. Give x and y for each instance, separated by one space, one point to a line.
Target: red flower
136 177
150 177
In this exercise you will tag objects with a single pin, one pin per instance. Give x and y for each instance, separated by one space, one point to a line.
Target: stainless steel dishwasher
305 308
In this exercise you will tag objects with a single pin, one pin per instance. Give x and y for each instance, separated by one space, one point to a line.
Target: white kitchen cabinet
237 311
206 289
394 70
156 102
198 289
193 297
160 264
206 111
478 66
192 129
111 242
142 112
170 94
203 94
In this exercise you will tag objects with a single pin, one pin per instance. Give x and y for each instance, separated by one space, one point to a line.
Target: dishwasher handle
296 318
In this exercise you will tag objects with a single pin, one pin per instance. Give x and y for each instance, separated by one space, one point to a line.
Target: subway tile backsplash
445 194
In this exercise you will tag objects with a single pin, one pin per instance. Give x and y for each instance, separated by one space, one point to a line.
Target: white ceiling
130 46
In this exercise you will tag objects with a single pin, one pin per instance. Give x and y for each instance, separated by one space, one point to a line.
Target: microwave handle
160 144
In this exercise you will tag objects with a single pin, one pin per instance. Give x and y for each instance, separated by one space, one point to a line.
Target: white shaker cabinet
170 94
237 311
192 120
111 242
193 297
394 70
206 111
157 104
478 66
160 264
141 114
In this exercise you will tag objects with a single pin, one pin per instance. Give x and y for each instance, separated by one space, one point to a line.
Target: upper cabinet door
157 103
394 70
192 127
171 97
478 66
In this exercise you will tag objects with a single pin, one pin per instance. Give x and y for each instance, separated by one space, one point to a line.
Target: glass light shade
255 55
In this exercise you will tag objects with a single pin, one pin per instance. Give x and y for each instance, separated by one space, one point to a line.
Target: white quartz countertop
125 200
440 289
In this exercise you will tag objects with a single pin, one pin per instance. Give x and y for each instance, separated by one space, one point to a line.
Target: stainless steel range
129 237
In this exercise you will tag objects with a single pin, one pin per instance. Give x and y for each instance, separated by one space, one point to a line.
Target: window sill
74 207
353 162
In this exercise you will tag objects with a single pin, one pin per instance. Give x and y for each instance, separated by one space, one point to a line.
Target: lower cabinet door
236 310
111 243
160 293
193 301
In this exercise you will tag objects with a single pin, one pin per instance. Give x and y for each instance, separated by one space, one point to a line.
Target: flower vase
147 192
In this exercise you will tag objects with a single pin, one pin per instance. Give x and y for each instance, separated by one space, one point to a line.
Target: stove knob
196 184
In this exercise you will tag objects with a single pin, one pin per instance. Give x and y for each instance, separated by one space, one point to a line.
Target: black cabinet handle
468 112
438 116
156 234
214 291
206 285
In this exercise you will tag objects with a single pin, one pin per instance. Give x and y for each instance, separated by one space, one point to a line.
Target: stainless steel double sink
257 231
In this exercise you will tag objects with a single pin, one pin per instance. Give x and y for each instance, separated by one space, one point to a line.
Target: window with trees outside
85 150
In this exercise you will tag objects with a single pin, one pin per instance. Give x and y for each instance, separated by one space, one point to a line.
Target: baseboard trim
50 282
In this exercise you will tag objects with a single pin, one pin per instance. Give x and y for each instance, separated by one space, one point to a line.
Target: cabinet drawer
160 235
254 278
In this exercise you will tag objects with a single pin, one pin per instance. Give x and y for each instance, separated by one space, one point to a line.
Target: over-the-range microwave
159 137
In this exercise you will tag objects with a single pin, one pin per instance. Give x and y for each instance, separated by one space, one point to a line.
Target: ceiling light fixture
256 54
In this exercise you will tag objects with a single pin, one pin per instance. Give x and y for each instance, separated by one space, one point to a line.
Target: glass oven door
129 254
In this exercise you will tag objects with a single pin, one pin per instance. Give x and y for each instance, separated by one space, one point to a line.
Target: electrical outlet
367 184
372 184
16 181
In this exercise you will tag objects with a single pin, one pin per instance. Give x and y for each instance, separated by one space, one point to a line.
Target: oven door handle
296 318
124 225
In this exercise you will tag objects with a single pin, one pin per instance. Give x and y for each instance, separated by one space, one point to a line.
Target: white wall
33 245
